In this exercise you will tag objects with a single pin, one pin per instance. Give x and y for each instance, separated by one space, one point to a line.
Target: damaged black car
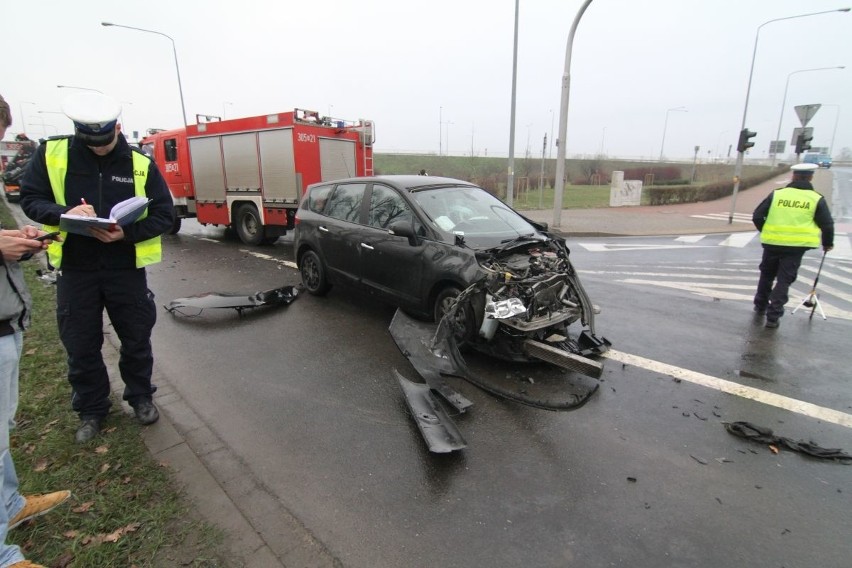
447 251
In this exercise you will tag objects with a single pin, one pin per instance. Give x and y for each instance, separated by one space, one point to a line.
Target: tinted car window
386 207
345 202
318 198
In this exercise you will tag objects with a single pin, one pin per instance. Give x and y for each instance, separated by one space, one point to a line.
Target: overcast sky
437 74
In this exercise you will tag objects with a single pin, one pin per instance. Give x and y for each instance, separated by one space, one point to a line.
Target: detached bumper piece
283 296
435 355
438 430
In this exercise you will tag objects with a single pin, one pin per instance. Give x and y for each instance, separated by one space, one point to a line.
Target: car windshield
483 220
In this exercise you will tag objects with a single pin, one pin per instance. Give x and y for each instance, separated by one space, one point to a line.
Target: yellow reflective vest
790 221
148 251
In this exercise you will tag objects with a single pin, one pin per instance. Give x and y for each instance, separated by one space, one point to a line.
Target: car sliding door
340 231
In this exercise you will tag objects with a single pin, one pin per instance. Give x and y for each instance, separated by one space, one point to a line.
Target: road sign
809 131
777 146
806 113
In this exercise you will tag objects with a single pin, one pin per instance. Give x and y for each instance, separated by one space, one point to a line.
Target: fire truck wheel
249 227
313 274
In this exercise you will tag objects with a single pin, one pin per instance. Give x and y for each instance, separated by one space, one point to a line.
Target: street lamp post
834 133
24 118
174 49
666 124
784 102
440 129
49 112
81 88
224 105
738 169
563 121
510 182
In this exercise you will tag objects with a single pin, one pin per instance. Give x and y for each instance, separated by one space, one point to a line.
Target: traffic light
744 143
803 143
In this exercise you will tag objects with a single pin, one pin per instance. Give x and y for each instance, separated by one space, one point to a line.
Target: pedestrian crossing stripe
738 217
842 243
739 240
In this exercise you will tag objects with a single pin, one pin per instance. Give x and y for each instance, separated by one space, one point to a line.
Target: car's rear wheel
313 274
464 322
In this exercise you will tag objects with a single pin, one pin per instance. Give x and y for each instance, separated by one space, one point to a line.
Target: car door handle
366 246
322 228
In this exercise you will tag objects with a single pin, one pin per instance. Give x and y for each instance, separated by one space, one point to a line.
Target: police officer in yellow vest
87 174
791 220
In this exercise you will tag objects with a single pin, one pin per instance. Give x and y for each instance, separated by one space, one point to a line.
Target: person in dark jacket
791 221
87 174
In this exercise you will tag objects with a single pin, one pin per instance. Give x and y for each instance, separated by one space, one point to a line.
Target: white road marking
738 217
739 240
730 387
268 257
705 289
842 246
746 274
690 238
613 247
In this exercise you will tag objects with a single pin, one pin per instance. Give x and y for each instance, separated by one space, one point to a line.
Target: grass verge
126 511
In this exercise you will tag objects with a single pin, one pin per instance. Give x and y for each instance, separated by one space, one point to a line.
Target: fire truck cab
249 174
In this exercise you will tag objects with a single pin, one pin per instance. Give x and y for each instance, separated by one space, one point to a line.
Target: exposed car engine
531 292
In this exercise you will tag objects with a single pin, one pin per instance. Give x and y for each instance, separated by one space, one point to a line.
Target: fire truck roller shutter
241 171
337 158
207 173
278 165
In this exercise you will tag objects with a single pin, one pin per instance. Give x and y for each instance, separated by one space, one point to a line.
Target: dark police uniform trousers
780 264
81 297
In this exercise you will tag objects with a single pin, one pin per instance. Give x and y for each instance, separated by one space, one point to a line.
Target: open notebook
123 213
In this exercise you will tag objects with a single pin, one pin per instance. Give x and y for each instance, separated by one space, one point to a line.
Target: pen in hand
85 211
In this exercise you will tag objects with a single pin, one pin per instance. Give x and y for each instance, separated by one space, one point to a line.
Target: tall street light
784 102
174 49
81 88
510 182
834 133
563 121
48 112
24 118
666 124
440 129
738 169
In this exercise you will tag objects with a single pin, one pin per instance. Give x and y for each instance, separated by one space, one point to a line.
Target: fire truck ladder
366 130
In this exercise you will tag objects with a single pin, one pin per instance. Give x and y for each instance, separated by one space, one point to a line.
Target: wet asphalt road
644 475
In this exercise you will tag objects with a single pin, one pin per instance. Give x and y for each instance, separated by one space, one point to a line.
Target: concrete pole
559 182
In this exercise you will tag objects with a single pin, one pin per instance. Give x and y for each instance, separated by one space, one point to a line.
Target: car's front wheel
464 321
313 274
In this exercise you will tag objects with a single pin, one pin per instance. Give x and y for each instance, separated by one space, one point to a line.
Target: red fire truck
249 173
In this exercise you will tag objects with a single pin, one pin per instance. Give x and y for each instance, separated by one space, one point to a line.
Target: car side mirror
403 229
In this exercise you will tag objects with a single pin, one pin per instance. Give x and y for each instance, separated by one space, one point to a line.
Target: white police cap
804 168
95 116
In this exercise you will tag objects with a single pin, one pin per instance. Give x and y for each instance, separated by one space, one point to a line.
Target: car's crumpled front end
531 292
